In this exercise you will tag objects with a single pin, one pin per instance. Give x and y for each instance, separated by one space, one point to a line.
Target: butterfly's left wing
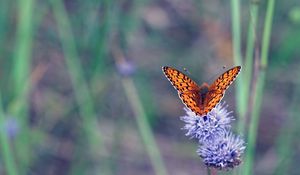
181 82
187 89
191 100
218 88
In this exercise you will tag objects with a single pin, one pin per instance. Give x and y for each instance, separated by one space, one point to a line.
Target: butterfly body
203 91
204 88
200 99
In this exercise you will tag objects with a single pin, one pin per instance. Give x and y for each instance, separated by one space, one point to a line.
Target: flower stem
6 148
248 66
258 89
208 171
236 37
141 119
20 73
144 127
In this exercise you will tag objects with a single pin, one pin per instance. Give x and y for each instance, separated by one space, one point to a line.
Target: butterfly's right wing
218 88
187 89
225 80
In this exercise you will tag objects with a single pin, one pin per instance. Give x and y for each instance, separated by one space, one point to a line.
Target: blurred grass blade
141 118
4 12
267 33
6 151
259 87
237 57
248 66
103 34
21 71
81 90
100 37
125 26
79 84
236 31
144 128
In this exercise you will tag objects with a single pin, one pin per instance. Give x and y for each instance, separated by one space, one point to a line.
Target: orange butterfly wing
179 80
217 89
225 80
191 100
188 90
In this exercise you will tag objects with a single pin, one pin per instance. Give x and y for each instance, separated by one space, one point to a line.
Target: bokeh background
82 91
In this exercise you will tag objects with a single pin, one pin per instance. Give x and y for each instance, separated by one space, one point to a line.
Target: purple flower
11 127
223 152
125 68
207 127
218 147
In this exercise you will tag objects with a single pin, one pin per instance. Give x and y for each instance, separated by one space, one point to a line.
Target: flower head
11 127
208 127
125 68
223 152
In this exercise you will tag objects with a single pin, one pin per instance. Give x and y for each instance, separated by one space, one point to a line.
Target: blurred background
82 91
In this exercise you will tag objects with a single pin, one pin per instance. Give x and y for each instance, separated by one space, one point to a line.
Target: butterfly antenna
186 71
216 74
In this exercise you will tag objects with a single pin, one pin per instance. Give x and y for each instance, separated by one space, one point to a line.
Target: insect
200 99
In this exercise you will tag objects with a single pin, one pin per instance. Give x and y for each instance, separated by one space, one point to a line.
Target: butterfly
200 99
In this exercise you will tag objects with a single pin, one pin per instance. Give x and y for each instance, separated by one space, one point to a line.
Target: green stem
80 87
208 171
236 36
236 31
21 71
8 157
102 35
267 33
248 67
144 127
259 87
